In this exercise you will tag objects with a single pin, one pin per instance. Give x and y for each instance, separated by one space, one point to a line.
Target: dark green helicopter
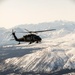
31 37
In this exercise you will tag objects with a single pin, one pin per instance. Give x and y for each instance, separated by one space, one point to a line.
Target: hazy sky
16 12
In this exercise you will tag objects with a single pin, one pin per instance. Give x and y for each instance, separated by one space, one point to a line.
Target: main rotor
31 32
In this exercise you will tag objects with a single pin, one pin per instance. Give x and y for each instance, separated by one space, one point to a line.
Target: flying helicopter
31 37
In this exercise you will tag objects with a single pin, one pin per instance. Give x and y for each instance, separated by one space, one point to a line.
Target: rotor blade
13 31
43 30
19 32
27 30
37 31
12 39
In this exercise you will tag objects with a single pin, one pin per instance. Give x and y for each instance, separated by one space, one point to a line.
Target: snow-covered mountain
62 28
55 55
2 30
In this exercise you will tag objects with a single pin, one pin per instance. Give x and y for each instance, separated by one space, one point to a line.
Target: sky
16 12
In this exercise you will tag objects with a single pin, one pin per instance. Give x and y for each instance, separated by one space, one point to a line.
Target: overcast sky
16 12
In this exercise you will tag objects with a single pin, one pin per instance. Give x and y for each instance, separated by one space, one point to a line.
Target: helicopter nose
39 39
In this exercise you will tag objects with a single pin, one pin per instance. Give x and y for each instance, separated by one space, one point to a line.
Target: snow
56 51
56 57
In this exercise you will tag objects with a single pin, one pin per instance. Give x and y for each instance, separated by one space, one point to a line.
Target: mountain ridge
56 52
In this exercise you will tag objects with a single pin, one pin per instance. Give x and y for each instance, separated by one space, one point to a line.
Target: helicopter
31 37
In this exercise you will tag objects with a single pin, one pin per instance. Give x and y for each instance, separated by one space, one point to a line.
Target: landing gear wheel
19 43
36 41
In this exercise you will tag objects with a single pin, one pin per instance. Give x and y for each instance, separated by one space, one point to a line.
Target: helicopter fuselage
28 38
